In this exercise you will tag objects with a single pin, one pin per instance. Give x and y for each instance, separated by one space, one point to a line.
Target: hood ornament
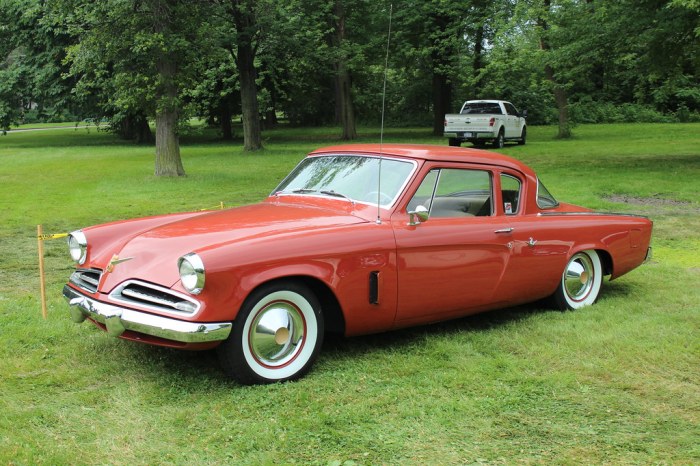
114 261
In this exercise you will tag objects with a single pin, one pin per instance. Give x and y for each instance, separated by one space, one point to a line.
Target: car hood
152 254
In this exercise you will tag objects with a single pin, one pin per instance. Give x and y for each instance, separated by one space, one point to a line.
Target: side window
510 193
510 109
450 192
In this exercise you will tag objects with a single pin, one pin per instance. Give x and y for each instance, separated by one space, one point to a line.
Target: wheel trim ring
289 351
579 278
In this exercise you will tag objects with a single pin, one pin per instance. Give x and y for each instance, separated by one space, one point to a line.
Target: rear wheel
454 142
500 140
580 282
276 336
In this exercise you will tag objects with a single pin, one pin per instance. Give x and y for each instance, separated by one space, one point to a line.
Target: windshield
349 176
544 199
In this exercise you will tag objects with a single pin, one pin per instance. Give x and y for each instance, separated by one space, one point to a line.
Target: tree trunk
558 90
477 64
244 19
562 102
225 121
442 59
143 130
343 84
134 127
346 109
168 161
442 96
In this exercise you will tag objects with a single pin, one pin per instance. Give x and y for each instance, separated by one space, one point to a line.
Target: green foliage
588 111
629 60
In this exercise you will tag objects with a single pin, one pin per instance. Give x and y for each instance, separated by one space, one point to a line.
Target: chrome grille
154 297
86 279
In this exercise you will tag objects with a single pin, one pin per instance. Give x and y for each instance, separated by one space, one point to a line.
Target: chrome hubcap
277 334
578 278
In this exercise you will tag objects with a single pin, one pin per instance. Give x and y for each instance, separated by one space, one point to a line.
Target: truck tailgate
459 123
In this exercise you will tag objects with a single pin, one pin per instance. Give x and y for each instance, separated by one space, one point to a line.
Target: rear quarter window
545 200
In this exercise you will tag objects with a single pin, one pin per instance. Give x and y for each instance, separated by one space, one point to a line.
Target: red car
357 239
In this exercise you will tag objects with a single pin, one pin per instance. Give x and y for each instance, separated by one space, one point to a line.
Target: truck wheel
454 142
523 137
499 141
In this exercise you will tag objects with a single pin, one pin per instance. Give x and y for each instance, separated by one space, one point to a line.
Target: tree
558 88
32 50
141 54
243 13
343 83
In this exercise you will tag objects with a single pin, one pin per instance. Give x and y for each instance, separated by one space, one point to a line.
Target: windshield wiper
335 194
304 191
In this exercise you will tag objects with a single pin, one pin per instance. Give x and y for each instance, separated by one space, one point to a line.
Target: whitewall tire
276 336
580 282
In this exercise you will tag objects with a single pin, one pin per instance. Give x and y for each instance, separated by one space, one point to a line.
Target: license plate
464 135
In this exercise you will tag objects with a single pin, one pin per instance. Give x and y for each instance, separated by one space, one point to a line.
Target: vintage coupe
444 232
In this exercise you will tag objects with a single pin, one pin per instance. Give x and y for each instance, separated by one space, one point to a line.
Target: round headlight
77 246
191 273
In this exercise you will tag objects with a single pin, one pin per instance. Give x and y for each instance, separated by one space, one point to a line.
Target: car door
537 251
452 263
512 121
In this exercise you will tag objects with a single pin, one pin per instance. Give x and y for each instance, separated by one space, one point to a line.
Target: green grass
614 383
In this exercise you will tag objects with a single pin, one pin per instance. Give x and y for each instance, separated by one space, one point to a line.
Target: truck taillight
492 121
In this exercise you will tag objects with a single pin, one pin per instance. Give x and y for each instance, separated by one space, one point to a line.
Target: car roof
431 153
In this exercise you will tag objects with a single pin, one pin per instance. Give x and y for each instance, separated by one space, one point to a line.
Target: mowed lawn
618 382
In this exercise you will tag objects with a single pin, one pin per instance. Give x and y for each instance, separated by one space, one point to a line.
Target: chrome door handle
505 230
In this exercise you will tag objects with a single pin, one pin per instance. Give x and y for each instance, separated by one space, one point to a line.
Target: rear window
481 108
545 200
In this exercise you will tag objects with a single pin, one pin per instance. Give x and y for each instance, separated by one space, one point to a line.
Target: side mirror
524 113
421 212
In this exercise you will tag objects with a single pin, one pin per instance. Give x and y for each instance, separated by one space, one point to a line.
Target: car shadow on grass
404 339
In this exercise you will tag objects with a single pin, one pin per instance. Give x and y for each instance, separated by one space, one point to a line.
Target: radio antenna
381 130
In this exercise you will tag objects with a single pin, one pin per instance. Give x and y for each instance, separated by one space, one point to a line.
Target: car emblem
114 261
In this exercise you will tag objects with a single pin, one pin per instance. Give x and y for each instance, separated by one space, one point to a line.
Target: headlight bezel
192 274
77 246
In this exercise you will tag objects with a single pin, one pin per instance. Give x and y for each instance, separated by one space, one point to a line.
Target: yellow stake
42 280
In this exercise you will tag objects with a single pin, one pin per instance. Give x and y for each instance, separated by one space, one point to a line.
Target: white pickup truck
482 121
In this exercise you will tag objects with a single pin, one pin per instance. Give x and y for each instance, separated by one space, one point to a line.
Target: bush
589 111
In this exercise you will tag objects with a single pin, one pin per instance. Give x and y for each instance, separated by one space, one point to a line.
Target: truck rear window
481 108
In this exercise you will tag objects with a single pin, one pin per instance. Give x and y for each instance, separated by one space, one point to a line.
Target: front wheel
276 336
523 137
580 282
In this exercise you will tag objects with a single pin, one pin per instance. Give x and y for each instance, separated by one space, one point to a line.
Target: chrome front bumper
118 319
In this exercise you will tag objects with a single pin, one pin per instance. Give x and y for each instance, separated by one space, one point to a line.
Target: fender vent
374 287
